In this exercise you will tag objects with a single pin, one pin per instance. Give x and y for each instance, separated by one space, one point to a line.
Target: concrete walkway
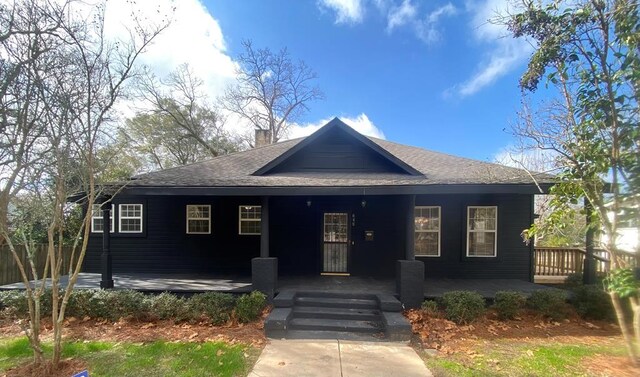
338 358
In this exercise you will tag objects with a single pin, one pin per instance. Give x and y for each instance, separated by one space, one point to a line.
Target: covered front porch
179 283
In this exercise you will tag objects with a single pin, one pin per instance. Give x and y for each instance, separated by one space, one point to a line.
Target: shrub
592 302
508 304
574 280
16 301
249 307
551 303
218 307
112 305
80 303
169 306
431 308
463 307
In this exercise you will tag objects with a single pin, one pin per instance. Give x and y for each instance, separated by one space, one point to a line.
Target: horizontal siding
296 237
513 256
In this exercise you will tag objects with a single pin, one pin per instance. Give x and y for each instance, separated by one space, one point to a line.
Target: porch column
264 269
264 228
410 228
107 277
589 269
410 272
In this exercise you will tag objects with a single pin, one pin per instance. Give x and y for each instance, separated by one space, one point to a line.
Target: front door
335 246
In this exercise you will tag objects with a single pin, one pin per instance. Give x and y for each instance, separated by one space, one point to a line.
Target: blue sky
432 73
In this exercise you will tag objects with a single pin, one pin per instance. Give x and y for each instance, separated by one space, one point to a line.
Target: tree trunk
626 332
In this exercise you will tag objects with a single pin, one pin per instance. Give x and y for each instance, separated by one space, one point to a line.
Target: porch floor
433 288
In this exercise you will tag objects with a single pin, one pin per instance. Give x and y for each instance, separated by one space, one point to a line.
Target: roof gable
336 147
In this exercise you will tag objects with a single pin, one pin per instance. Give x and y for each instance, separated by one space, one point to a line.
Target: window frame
121 217
439 231
494 231
198 218
94 217
240 220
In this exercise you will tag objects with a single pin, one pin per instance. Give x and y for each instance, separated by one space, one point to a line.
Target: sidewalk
338 358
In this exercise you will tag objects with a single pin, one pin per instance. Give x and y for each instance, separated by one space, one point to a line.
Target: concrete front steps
337 315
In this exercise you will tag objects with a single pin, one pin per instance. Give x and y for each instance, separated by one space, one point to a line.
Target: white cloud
360 123
529 158
347 11
194 36
425 28
504 53
401 15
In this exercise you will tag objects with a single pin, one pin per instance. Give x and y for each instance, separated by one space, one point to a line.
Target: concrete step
335 294
336 302
336 313
342 335
324 324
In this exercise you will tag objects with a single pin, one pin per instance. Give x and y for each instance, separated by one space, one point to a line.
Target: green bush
249 307
463 307
430 307
16 302
116 304
592 302
218 307
508 304
79 304
574 280
551 303
169 306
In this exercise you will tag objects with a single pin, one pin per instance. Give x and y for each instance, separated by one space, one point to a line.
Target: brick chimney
263 137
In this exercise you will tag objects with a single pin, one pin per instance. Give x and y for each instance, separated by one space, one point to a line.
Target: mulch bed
441 334
128 330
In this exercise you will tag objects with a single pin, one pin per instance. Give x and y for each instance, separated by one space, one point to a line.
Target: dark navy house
333 203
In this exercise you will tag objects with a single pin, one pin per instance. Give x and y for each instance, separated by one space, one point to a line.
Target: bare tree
58 107
182 126
271 91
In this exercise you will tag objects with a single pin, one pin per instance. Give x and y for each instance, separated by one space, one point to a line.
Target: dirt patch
65 368
611 366
441 334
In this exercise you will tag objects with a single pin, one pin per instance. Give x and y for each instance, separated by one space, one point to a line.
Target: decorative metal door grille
335 242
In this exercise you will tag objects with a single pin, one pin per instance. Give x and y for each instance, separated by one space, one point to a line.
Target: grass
512 358
138 359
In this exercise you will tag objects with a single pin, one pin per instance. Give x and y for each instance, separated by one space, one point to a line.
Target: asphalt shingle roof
235 170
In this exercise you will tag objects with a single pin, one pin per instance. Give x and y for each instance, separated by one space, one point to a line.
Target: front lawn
157 358
533 357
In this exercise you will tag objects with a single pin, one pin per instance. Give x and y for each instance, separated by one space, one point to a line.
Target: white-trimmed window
482 231
130 219
427 231
198 219
97 223
250 220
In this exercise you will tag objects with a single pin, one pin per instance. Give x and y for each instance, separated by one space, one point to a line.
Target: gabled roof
254 169
332 126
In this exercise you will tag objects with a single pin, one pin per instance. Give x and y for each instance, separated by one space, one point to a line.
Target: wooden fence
9 272
562 261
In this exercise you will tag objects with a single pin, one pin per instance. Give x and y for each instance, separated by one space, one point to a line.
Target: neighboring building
335 202
628 228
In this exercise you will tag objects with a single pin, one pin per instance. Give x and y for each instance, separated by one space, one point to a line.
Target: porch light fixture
309 203
363 203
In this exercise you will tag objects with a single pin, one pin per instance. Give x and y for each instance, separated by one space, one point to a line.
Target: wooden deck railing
562 261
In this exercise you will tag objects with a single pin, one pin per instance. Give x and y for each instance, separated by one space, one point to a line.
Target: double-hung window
250 220
427 231
482 230
198 219
130 218
97 223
